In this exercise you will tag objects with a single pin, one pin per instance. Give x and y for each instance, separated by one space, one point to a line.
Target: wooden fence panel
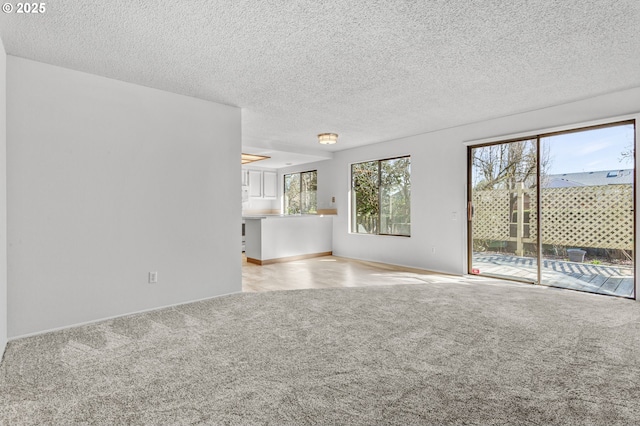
491 215
585 216
588 216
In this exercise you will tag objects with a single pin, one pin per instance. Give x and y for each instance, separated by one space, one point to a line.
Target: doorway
556 209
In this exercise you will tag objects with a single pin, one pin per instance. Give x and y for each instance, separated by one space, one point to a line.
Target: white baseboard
81 324
436 271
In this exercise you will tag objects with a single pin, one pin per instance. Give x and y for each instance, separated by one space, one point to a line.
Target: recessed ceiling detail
251 158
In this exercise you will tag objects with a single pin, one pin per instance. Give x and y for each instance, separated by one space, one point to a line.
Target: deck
611 280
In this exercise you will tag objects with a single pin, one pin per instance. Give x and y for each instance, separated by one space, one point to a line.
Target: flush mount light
328 138
250 158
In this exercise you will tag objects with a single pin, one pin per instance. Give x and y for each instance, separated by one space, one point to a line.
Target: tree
381 193
504 165
365 192
300 192
292 194
395 193
628 155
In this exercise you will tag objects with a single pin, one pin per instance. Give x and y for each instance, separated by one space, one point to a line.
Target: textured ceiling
368 70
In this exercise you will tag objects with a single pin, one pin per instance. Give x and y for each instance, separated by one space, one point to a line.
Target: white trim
82 324
399 265
563 128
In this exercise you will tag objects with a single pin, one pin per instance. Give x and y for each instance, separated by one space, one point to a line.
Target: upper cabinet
269 184
261 184
245 177
255 183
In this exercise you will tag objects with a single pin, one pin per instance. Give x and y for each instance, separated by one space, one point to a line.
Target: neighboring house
603 177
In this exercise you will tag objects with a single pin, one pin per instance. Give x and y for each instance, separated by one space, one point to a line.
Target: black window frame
352 217
284 188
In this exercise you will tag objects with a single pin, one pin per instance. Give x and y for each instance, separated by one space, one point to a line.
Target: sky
592 150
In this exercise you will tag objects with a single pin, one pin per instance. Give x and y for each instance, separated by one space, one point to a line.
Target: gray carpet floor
439 353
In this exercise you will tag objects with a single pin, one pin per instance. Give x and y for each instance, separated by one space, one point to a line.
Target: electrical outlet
153 277
433 250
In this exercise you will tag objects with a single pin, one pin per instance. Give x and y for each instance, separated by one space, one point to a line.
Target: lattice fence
491 215
586 216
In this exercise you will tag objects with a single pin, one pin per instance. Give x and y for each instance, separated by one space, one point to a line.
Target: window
381 197
301 193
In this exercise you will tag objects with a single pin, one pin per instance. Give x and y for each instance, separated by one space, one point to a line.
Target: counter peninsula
280 238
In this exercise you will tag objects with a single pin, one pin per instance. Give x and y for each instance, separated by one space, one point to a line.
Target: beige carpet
492 353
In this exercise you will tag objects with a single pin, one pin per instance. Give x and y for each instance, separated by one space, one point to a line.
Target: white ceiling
368 70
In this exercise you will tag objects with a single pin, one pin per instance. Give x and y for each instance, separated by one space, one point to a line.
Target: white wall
3 199
438 171
107 181
438 178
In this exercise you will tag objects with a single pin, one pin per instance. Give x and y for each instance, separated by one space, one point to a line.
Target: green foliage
382 196
300 193
309 194
395 193
292 194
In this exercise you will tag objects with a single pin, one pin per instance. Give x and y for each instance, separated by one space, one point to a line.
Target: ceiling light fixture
250 158
328 138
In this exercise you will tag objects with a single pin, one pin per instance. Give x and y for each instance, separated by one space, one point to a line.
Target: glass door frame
539 259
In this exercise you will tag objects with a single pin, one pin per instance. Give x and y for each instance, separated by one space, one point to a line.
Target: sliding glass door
586 210
556 209
503 183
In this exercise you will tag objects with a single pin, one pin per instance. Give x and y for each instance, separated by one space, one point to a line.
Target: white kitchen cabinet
261 184
269 184
255 183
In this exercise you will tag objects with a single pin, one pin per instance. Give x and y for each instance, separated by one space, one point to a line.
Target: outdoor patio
611 280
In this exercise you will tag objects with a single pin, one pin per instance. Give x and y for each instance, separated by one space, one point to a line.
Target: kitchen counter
279 238
284 216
